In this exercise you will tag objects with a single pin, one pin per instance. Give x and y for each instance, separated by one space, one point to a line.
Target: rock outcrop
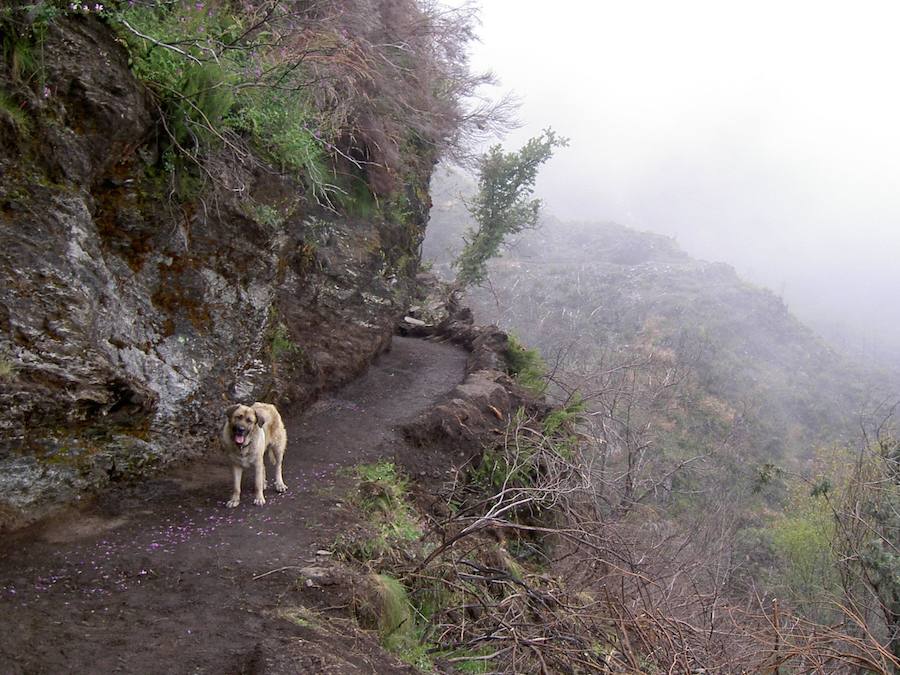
477 412
128 318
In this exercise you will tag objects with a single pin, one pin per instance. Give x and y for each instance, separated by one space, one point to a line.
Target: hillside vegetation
593 293
731 457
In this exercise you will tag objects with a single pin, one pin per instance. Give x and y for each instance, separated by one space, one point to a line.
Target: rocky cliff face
128 318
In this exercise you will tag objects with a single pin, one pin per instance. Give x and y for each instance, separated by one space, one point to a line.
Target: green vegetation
399 630
564 417
403 606
300 616
867 515
15 114
802 538
358 201
211 96
281 125
7 369
306 90
22 33
524 465
281 344
381 495
502 206
18 52
835 540
473 661
382 602
394 617
264 214
526 365
704 403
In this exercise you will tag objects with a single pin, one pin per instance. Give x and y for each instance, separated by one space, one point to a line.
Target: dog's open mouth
239 438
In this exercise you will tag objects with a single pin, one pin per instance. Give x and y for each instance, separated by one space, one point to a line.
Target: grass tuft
14 113
381 494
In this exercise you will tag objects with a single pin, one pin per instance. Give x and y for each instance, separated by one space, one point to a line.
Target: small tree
503 204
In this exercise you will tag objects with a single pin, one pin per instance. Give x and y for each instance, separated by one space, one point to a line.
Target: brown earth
159 577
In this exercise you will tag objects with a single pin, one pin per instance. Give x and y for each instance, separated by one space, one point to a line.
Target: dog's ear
260 420
229 411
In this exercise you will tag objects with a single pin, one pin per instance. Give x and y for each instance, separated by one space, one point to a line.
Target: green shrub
23 29
474 664
383 495
263 214
357 198
298 80
526 365
332 93
502 207
802 539
208 93
281 125
18 53
564 417
394 618
203 97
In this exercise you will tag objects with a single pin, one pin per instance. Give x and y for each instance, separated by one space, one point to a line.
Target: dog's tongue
239 439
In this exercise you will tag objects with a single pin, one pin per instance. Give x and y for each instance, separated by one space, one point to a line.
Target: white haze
764 134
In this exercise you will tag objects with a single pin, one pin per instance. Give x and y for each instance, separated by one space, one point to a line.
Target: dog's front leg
260 498
279 479
237 472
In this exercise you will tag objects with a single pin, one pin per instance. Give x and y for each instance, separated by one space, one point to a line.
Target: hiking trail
160 577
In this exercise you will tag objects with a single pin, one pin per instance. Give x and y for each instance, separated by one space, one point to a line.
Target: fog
765 135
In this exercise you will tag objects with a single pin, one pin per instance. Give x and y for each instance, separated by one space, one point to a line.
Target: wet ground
160 577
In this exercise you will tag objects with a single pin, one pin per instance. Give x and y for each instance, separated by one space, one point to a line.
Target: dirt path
158 577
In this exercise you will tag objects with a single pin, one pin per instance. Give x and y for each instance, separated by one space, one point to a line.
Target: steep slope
598 293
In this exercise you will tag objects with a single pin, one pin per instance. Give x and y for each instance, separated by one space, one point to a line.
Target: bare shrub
534 572
368 84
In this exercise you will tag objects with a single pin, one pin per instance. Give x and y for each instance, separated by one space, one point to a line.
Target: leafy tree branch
503 205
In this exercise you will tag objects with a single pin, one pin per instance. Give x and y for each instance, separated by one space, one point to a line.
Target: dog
248 433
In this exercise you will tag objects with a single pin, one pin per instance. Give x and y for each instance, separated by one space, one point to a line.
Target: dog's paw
259 500
280 487
234 501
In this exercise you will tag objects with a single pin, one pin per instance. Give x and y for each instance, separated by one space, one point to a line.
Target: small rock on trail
159 577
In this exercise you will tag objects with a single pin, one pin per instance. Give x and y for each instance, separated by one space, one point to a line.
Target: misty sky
765 134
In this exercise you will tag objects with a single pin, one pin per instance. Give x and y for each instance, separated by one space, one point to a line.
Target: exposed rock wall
128 318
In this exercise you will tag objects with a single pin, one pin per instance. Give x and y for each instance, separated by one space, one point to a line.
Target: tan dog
248 432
